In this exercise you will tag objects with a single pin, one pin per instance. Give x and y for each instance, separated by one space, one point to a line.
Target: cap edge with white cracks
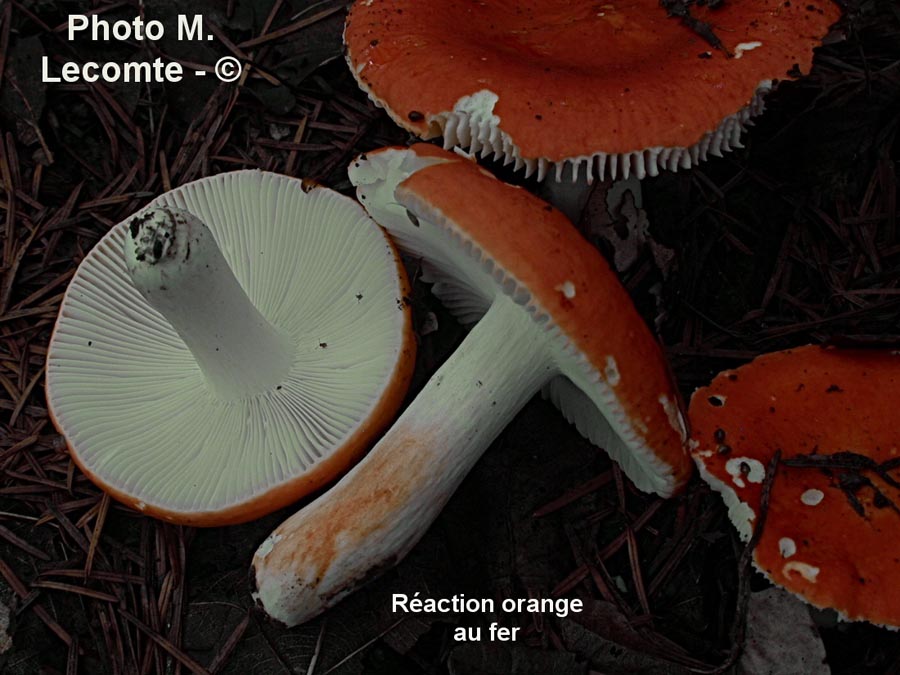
741 514
474 127
470 121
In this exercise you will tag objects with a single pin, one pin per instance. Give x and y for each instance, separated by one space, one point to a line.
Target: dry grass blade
69 528
23 399
113 577
177 654
574 494
745 570
22 544
72 660
15 263
79 590
313 662
290 28
225 651
18 446
574 578
636 574
361 647
102 510
4 38
19 589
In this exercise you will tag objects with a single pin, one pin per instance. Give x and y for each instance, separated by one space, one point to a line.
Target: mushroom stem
368 521
572 196
175 263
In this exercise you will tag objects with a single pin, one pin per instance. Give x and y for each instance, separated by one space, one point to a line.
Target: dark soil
792 240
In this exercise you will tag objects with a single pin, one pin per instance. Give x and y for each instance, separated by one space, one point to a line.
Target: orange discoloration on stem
599 317
362 506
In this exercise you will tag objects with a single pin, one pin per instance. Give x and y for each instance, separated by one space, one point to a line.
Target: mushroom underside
140 417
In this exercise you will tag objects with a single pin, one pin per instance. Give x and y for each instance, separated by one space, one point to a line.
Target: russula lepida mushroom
235 345
550 316
597 90
830 532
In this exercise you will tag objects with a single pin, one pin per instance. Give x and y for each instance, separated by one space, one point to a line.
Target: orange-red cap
830 531
619 86
501 239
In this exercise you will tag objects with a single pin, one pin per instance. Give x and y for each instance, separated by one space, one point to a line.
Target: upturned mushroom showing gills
551 317
602 90
830 529
232 347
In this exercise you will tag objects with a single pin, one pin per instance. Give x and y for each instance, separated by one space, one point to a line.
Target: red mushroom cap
619 86
533 253
830 530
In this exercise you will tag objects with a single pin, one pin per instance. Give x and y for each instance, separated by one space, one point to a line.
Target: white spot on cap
266 547
745 47
140 506
812 497
745 467
808 572
676 419
787 547
611 372
567 288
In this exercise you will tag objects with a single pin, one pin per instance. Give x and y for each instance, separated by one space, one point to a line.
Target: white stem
177 266
568 196
368 521
571 197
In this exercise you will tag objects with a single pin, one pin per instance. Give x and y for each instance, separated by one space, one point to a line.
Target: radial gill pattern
127 394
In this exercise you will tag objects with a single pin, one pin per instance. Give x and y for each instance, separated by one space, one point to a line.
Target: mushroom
580 89
830 529
232 347
550 316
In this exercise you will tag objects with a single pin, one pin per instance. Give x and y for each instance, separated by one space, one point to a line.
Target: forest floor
792 240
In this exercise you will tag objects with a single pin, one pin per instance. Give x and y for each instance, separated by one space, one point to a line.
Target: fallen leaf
781 637
603 636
